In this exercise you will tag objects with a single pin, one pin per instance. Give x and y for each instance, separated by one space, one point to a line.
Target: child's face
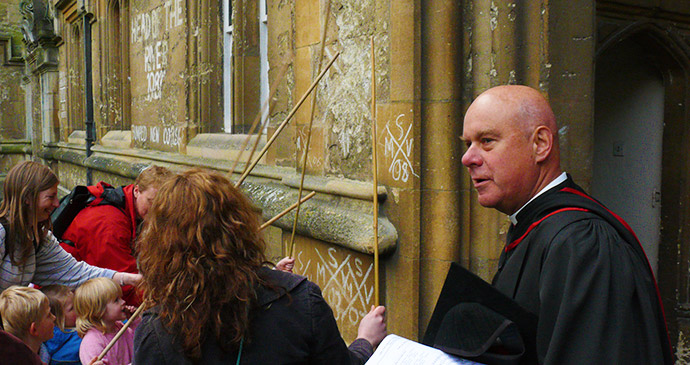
114 311
44 326
68 310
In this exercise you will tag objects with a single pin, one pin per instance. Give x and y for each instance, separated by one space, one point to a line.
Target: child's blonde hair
19 307
57 295
90 300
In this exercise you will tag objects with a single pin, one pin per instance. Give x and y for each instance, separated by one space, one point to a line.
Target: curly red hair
199 254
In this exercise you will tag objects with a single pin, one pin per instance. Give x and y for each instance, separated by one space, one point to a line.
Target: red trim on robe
625 224
514 244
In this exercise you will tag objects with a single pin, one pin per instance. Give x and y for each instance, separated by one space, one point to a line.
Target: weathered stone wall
12 99
432 59
341 136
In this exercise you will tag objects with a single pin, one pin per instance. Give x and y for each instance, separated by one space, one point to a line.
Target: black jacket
298 328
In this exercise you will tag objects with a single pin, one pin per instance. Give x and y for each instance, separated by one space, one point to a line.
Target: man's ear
542 143
33 331
135 191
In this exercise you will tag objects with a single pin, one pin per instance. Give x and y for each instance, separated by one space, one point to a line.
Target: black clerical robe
582 271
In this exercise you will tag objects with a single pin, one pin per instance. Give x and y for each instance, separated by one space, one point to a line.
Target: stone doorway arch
667 52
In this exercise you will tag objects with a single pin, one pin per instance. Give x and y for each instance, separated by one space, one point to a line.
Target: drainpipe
88 90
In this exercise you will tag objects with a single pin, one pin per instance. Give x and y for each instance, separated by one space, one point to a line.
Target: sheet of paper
395 350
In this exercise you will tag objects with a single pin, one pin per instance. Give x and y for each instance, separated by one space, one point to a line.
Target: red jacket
103 236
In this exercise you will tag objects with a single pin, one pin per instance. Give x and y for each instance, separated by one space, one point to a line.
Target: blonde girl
100 312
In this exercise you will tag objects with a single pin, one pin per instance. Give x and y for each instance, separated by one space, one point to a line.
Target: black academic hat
474 320
475 332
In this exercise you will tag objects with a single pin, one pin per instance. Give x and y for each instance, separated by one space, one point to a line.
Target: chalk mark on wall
312 160
151 29
343 283
172 136
398 148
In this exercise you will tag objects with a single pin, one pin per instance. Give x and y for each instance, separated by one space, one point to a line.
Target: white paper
399 350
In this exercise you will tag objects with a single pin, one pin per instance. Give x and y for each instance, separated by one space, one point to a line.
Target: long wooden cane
311 122
121 332
374 166
287 119
267 106
287 210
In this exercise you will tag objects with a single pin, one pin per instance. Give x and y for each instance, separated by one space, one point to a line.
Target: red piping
514 244
625 224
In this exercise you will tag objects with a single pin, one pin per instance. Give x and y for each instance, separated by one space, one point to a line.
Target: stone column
441 151
542 44
41 68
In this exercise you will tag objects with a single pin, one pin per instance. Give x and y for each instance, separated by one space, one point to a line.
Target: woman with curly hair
203 265
29 252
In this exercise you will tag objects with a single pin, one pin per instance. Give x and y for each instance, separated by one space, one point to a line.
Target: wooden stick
287 119
121 332
256 143
374 166
288 210
267 103
311 122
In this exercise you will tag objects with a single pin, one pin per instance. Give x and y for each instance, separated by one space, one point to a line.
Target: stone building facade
180 83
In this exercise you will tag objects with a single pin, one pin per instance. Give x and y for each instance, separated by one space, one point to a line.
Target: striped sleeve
55 266
11 274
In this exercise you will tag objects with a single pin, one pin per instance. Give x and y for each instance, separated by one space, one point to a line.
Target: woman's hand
286 264
125 278
373 326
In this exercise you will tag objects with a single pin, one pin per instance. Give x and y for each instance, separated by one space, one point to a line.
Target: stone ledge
342 221
338 219
121 167
77 137
327 185
117 139
15 147
349 188
224 146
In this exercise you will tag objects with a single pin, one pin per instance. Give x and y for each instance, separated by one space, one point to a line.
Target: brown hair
90 301
57 294
152 177
18 209
200 251
19 307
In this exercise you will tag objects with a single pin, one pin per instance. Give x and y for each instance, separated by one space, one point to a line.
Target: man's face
143 200
499 156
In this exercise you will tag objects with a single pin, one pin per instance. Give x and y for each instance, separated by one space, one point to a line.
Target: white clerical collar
561 178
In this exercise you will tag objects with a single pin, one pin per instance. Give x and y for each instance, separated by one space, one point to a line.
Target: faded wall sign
158 38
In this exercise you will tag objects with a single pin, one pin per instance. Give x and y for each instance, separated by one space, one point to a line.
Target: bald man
567 259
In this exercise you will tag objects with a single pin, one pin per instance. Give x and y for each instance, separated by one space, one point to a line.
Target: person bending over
103 234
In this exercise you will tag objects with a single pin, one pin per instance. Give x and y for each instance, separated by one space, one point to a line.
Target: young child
63 348
100 311
26 314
